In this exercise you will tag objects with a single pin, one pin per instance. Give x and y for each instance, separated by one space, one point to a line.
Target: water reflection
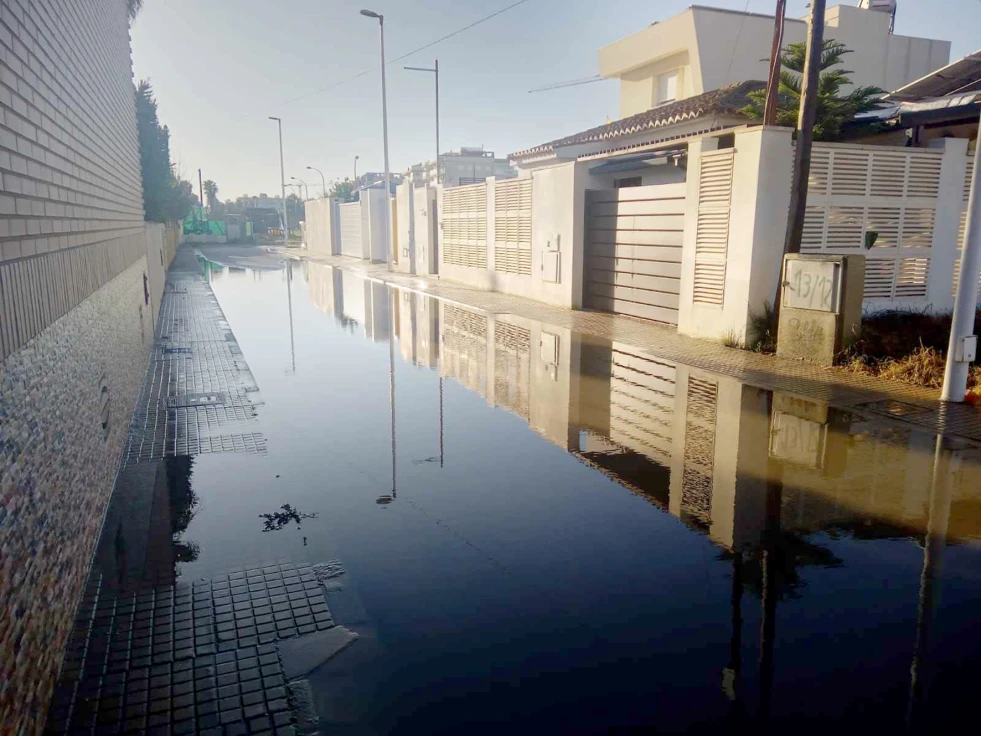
682 550
760 473
740 464
145 533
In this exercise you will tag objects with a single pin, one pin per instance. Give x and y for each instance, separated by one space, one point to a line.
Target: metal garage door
633 250
350 216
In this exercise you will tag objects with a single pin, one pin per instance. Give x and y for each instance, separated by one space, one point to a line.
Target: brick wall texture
69 156
76 325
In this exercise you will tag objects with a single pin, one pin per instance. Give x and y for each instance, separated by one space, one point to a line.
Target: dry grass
923 367
902 345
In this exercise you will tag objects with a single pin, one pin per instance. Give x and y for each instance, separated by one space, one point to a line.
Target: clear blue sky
220 67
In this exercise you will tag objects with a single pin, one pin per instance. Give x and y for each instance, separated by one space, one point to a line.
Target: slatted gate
633 250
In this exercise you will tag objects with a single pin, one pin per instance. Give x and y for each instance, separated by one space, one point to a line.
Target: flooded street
542 528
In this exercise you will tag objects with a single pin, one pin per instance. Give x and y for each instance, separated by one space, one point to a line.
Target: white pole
966 300
388 187
282 181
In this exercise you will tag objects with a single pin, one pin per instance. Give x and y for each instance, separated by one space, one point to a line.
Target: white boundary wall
913 198
321 224
557 229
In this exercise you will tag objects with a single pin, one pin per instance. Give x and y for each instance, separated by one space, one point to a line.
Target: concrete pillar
758 211
491 228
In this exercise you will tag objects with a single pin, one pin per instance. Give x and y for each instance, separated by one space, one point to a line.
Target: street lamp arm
323 181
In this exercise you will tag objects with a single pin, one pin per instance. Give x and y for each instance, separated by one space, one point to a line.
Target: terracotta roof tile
726 100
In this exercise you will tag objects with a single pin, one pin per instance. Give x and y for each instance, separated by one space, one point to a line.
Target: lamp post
305 191
388 178
323 182
435 71
963 342
355 172
282 181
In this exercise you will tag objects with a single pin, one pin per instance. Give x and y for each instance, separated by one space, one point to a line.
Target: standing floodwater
530 528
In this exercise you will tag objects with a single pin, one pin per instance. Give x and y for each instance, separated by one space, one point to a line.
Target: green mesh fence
197 223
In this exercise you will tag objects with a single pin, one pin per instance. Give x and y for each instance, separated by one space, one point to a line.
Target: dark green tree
165 196
133 7
342 190
834 108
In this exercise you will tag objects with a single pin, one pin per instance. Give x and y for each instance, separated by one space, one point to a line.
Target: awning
628 162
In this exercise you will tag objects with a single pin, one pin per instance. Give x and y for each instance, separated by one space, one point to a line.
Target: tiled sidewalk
840 388
187 658
154 654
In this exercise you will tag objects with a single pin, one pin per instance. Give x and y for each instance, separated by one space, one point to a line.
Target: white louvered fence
885 197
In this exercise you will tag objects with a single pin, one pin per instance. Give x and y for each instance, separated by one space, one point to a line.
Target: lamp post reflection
289 303
935 539
384 500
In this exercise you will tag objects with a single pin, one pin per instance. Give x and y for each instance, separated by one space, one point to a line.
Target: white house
706 48
467 166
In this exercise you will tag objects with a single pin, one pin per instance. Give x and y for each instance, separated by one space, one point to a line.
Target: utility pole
773 80
201 187
805 128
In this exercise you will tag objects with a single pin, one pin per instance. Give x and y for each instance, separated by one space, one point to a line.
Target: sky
220 68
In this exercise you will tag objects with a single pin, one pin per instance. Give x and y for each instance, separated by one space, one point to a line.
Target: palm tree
211 195
133 7
833 108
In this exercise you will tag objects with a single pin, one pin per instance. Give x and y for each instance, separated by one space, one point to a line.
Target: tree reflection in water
278 519
182 502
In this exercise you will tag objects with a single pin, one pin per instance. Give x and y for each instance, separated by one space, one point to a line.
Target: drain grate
207 399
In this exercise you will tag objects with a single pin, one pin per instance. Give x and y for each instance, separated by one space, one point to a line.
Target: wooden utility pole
805 127
773 80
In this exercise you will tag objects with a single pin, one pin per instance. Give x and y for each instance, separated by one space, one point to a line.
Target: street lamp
323 182
388 178
282 181
435 71
356 172
306 195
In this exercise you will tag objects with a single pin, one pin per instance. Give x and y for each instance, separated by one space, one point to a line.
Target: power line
571 83
735 45
407 55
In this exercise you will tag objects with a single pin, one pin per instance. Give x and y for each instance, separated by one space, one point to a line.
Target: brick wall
76 318
69 153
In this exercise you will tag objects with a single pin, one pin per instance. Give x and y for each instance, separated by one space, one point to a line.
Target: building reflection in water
758 472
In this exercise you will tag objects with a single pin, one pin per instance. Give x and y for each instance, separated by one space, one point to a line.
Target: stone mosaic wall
66 400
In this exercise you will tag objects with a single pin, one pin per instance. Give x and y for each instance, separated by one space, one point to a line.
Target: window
628 181
667 87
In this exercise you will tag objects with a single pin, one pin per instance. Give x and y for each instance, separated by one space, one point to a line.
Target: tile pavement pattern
66 399
189 658
862 394
199 395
